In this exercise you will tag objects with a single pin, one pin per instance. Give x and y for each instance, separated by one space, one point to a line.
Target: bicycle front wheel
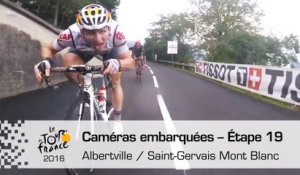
80 111
79 171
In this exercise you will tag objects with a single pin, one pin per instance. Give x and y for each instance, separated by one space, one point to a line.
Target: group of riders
94 33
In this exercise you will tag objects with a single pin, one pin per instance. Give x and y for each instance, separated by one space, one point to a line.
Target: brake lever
109 83
41 82
47 81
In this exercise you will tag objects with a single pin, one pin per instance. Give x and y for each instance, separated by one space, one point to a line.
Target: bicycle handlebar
83 69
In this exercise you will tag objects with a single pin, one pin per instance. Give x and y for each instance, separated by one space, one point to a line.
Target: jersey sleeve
119 38
119 41
63 40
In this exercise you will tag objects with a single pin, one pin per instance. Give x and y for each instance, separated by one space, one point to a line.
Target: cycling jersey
72 37
137 52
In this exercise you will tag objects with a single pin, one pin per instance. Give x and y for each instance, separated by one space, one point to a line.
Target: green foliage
225 31
219 23
67 9
229 31
169 28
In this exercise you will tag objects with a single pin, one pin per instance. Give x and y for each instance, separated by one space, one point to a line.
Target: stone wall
21 37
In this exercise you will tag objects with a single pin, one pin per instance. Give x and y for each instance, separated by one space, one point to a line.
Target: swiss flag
255 76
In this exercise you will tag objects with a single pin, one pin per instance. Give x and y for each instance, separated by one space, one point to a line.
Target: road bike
138 68
90 104
89 97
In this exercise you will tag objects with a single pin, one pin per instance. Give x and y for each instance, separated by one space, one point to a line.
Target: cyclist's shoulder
117 34
74 28
70 33
138 48
114 25
70 37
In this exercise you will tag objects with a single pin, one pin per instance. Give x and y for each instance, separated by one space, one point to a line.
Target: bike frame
87 91
88 88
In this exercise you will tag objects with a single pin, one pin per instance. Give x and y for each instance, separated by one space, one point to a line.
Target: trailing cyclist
137 53
94 33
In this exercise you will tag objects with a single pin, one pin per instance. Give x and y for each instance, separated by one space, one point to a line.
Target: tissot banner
278 83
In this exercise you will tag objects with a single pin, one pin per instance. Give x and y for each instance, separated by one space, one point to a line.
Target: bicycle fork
88 98
103 101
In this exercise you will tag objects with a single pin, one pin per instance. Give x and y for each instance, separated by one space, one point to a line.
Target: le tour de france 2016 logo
54 140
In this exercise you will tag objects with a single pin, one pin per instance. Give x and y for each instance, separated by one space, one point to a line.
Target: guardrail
179 65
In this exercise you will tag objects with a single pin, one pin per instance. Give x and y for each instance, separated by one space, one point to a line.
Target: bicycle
98 104
138 68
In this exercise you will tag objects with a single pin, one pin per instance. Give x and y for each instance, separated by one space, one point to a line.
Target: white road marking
151 71
175 146
170 127
155 82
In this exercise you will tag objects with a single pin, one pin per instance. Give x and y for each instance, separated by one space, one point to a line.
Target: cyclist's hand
113 66
42 67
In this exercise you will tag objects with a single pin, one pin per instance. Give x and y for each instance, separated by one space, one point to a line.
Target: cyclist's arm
142 54
123 53
133 54
47 51
62 41
127 63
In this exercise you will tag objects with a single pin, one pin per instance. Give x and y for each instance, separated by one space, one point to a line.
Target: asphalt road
186 98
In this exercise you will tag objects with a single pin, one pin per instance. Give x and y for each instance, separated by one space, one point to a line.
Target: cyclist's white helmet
93 16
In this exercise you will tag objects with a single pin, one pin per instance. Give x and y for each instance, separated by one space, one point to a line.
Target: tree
62 13
229 31
250 48
216 21
282 51
168 28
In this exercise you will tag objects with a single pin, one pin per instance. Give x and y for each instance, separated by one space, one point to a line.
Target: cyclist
94 33
137 52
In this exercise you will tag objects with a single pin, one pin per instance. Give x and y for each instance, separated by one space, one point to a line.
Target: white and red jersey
72 37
